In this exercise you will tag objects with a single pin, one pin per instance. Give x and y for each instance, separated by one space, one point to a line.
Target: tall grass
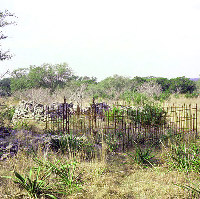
61 173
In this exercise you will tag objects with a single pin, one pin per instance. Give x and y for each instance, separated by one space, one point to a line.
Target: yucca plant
142 156
36 187
65 173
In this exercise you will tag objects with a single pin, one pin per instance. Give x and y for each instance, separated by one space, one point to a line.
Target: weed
71 143
21 125
142 156
194 189
65 173
184 157
35 187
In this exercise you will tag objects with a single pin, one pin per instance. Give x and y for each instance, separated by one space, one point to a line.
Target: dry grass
115 177
182 100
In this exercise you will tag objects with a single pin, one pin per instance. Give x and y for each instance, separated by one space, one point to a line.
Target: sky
131 38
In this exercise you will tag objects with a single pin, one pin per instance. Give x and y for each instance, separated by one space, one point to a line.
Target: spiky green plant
65 172
36 187
142 156
185 158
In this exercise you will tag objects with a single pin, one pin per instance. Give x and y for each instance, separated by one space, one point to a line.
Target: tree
182 85
5 89
198 85
3 22
150 88
44 76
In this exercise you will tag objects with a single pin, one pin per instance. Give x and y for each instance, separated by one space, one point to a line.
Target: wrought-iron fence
121 121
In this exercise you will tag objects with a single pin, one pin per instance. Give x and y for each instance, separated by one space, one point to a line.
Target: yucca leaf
51 196
30 173
20 177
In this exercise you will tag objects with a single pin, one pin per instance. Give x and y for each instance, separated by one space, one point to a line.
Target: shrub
135 97
162 97
71 143
184 157
142 156
149 114
192 95
6 114
35 187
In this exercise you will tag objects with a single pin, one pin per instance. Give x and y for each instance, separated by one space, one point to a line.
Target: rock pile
39 112
29 110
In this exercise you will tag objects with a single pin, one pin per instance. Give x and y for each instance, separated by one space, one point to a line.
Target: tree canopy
44 76
4 15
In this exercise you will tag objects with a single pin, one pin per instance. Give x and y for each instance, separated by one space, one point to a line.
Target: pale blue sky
102 38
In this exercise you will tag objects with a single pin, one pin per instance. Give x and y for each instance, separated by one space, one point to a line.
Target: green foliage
66 173
185 158
192 95
66 179
182 85
6 115
35 187
142 156
111 87
71 143
148 114
21 124
198 85
5 89
115 113
162 97
177 96
112 143
113 140
19 79
44 76
164 82
134 97
115 87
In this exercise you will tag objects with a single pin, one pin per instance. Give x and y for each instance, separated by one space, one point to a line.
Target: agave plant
36 187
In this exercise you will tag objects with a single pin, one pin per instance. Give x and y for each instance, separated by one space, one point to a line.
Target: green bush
134 97
35 186
185 157
162 97
142 156
192 95
71 143
149 114
6 114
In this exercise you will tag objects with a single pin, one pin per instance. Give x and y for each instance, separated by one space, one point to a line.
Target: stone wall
29 110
